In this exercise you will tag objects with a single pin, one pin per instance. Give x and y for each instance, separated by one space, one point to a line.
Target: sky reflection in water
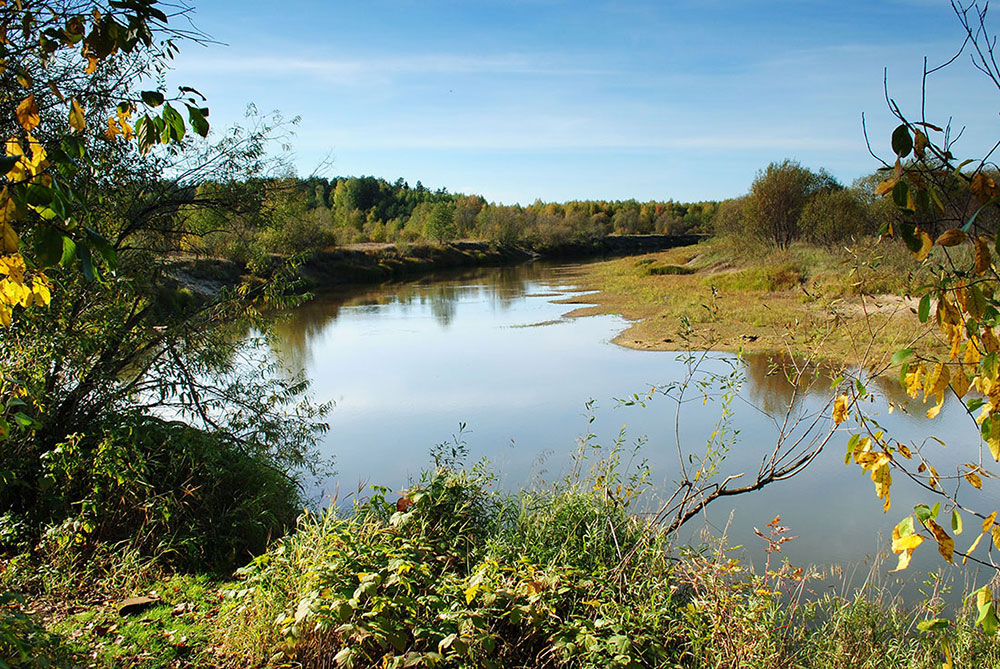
407 363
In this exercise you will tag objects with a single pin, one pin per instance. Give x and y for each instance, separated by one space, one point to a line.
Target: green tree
440 224
777 196
91 386
832 217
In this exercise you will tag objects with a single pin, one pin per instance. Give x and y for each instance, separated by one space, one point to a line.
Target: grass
460 575
176 631
843 303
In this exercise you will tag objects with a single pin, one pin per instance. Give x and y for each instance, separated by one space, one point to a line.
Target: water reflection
406 363
440 292
776 382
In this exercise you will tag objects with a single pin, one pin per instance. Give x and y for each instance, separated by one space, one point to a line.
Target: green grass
174 632
804 299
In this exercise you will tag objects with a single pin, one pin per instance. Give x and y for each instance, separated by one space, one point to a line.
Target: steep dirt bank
373 263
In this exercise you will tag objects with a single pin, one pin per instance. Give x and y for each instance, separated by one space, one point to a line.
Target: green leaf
7 163
988 365
68 251
956 522
86 262
934 625
48 247
901 356
103 247
152 98
74 147
923 513
900 195
38 195
175 121
924 310
23 419
987 611
902 142
145 132
975 403
197 117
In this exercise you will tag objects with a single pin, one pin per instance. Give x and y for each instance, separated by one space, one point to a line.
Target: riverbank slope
806 301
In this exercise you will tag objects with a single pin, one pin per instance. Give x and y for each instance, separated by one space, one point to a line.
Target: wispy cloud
351 70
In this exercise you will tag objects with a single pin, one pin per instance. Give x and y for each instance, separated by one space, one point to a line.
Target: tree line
315 213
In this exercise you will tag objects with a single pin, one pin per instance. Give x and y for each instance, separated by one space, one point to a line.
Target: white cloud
352 70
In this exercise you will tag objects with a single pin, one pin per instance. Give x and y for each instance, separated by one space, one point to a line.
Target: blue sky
574 99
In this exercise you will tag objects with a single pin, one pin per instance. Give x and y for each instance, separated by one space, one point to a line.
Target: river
409 364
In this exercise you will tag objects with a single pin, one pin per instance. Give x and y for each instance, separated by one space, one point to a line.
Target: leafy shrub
194 498
832 217
457 575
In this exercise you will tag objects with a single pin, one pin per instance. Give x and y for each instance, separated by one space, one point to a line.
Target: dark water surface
407 363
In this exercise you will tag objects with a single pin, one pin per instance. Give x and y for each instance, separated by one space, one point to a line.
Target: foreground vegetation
148 449
452 573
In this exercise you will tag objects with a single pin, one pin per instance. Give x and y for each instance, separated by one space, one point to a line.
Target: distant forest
300 215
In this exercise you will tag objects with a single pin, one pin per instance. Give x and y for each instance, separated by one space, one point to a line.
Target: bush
777 196
836 216
455 574
191 498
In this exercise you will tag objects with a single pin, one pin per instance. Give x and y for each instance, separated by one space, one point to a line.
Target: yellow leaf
470 593
994 443
112 130
974 480
9 241
40 291
926 244
77 120
27 113
934 410
4 315
886 186
906 543
913 380
952 237
995 532
920 143
988 523
983 597
883 481
960 383
946 545
983 257
904 561
989 339
972 548
932 480
936 381
840 409
905 452
55 91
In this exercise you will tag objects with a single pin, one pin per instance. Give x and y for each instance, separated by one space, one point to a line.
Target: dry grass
804 300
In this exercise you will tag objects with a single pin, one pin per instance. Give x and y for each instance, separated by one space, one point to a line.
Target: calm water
407 363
